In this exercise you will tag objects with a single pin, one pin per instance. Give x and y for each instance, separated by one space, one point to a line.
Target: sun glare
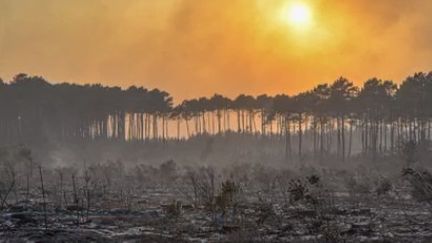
298 14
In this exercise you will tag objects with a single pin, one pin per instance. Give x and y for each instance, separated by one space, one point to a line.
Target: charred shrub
226 195
168 171
421 184
384 187
202 182
174 209
304 190
320 214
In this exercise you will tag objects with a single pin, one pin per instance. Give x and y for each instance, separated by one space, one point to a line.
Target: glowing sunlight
298 14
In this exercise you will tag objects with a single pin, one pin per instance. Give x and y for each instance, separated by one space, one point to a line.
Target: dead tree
43 197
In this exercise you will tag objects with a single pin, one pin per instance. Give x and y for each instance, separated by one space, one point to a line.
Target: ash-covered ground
242 202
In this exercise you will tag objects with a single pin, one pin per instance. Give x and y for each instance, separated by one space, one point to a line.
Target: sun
298 15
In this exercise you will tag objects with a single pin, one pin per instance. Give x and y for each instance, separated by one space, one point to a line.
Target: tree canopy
383 112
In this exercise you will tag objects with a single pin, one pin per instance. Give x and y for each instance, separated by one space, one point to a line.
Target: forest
331 118
337 163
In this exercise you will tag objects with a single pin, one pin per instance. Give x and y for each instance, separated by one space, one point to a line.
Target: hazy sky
200 47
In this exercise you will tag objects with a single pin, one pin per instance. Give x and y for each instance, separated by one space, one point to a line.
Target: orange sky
200 47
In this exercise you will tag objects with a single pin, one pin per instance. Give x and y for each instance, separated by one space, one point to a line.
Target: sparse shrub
331 233
168 171
174 209
310 192
384 187
421 183
419 179
264 177
240 173
202 182
313 179
409 152
8 176
358 185
306 190
266 212
226 195
298 190
7 182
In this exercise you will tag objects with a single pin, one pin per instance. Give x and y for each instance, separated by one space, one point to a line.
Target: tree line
378 115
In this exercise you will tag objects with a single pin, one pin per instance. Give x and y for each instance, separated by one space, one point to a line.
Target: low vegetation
242 203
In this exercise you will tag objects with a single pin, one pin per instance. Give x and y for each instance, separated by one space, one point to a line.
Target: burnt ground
152 218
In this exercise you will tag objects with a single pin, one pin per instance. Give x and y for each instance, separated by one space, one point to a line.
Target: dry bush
421 184
419 179
264 177
226 196
240 174
173 210
168 172
311 193
384 186
8 176
357 186
203 185
7 182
